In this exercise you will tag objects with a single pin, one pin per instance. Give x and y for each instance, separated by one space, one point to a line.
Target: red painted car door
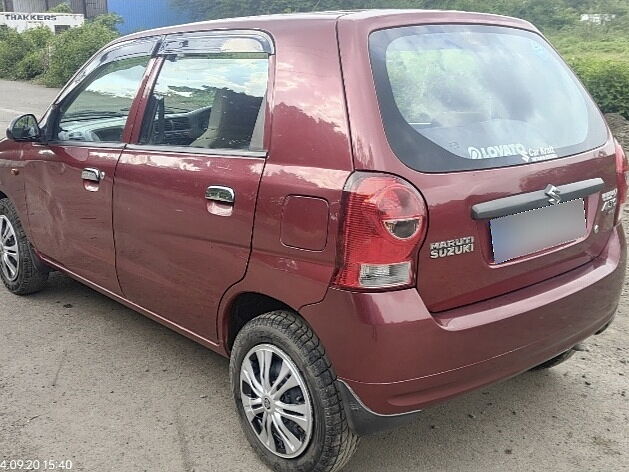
185 193
69 179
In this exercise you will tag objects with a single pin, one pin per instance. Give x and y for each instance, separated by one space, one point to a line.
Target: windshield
459 97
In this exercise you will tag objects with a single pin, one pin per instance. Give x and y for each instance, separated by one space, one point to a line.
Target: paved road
85 379
18 98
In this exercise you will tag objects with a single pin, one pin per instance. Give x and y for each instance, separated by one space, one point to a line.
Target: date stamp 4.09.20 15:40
35 464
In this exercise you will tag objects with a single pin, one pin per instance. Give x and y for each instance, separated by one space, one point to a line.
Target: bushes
600 57
39 37
30 58
32 66
607 80
23 56
13 48
71 49
39 54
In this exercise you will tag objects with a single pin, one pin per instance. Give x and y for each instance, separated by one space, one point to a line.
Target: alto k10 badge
610 201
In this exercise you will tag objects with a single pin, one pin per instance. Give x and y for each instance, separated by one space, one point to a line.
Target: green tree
61 8
108 20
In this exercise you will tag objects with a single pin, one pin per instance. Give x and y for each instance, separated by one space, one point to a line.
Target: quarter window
99 111
212 101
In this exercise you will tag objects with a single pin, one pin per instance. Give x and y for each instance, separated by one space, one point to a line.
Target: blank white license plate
532 231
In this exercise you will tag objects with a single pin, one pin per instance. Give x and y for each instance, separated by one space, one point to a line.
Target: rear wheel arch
245 307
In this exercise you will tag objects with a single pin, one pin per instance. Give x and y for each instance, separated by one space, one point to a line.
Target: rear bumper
397 358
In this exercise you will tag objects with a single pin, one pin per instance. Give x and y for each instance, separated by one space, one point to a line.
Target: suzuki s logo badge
554 194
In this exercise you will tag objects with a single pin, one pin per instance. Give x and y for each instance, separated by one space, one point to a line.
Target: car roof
312 19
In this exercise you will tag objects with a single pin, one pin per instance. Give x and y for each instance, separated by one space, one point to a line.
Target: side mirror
24 128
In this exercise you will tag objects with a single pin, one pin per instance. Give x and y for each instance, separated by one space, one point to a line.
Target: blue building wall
141 15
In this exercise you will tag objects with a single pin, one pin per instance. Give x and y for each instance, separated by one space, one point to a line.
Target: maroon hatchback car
369 212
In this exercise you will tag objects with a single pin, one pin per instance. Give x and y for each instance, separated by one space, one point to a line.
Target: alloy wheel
276 401
9 250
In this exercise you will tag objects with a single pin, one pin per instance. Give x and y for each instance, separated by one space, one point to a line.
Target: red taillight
622 168
383 226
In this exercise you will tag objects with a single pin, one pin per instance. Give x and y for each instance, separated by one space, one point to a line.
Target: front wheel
286 396
20 270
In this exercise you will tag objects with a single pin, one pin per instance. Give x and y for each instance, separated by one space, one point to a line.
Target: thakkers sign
56 22
30 16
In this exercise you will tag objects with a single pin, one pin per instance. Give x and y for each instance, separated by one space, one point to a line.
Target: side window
209 101
98 111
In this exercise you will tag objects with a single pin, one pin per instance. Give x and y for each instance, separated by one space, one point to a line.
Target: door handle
93 175
220 194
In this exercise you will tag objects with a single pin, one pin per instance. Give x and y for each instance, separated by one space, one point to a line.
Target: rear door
186 191
488 122
69 179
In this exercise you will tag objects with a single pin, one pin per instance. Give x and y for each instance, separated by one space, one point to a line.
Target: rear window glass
462 97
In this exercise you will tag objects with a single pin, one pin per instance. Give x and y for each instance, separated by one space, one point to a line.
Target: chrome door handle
220 194
93 175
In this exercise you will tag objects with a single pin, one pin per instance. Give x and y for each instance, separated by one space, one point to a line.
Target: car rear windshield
463 97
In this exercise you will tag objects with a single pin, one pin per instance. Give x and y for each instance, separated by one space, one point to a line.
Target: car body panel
174 256
446 283
70 218
398 357
309 155
12 178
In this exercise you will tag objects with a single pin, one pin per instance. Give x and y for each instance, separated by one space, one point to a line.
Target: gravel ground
85 379
620 127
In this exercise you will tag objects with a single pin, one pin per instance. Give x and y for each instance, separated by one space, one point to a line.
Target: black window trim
113 53
116 52
163 51
196 42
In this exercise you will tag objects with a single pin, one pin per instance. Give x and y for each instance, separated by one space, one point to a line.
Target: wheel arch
12 188
243 308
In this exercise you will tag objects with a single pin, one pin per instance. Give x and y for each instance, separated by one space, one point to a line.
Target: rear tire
555 361
295 357
21 272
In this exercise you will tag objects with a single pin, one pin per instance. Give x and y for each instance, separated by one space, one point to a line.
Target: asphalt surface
85 379
19 98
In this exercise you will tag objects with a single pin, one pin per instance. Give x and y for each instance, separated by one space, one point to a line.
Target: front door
70 178
185 195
